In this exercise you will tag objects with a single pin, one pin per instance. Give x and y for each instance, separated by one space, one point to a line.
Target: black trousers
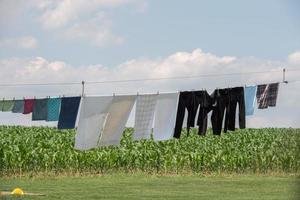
221 98
205 101
186 101
226 101
191 101
236 97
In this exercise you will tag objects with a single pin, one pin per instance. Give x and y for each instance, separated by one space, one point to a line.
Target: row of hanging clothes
101 120
50 109
223 103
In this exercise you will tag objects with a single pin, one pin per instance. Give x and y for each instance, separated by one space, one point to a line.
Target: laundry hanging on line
39 109
68 112
102 120
250 99
6 105
267 95
92 116
46 109
18 106
165 116
53 109
144 116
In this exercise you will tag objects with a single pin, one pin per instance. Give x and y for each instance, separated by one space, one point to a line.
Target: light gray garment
165 116
144 115
116 120
92 117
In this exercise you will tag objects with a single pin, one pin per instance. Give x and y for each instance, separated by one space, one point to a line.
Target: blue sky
72 40
264 29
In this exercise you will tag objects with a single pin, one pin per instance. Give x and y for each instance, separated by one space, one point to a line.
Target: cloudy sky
45 41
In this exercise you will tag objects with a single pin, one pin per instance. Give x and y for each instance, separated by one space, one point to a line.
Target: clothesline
147 79
158 92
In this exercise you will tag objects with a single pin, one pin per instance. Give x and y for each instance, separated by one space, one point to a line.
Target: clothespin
137 94
157 93
114 94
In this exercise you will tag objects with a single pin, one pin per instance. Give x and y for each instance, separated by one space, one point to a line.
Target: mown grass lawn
141 186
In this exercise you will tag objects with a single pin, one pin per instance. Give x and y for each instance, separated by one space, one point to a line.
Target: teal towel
18 106
53 109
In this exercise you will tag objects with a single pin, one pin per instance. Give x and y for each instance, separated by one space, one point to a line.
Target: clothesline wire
161 92
147 79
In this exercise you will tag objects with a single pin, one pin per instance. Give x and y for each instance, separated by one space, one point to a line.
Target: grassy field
139 186
245 164
38 149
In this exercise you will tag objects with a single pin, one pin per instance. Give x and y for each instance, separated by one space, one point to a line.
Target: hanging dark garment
186 101
236 96
68 112
40 111
191 101
205 101
226 101
221 99
267 95
28 106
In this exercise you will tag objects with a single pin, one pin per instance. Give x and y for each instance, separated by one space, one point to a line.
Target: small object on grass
19 192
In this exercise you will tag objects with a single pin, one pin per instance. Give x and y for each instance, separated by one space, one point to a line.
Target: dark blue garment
68 112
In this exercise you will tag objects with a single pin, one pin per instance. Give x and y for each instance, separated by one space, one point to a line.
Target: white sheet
144 115
92 116
165 116
116 120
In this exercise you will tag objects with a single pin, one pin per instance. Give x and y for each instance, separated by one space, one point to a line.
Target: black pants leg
236 97
221 98
205 102
186 101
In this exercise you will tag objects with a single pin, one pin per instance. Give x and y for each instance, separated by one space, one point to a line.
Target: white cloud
25 42
96 31
197 62
72 20
294 58
60 13
79 21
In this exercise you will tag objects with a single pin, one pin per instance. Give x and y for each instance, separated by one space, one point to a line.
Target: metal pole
82 88
283 76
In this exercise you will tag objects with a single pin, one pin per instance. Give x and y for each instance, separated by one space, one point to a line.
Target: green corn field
42 149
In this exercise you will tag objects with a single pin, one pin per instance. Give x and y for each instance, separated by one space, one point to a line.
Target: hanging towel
68 112
39 110
272 94
7 105
266 95
18 106
165 116
117 117
28 106
250 92
144 115
92 116
53 108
